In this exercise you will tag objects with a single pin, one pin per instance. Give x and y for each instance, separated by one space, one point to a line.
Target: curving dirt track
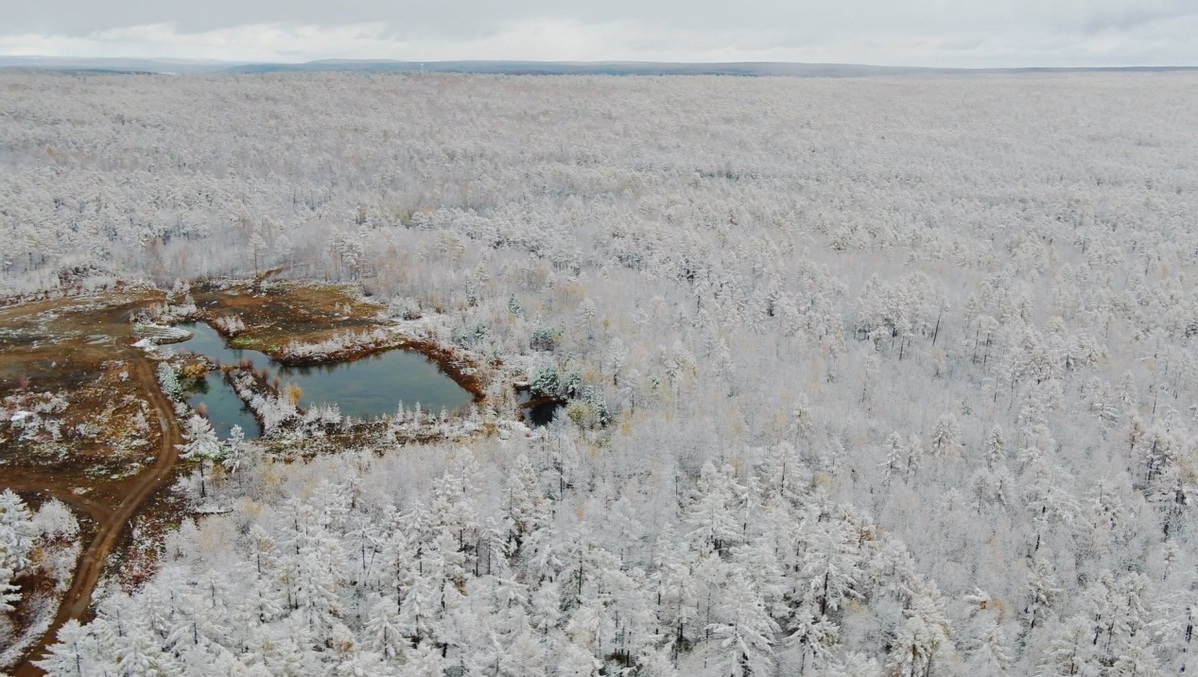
110 520
26 480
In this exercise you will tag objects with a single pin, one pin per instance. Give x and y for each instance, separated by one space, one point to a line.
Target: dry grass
75 350
283 312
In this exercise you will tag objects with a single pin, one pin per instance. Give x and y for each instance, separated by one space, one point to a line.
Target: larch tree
744 634
201 445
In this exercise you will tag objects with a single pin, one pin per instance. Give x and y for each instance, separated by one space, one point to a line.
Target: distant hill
585 68
746 69
749 69
112 65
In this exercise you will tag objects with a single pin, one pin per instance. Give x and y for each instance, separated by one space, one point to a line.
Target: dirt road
110 520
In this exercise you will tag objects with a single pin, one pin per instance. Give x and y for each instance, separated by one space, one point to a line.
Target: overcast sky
951 33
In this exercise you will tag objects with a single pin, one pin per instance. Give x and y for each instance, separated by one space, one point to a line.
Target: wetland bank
367 387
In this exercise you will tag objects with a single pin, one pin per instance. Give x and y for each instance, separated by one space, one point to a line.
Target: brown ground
82 349
282 313
78 350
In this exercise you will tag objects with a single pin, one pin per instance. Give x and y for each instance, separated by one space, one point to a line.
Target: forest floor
95 430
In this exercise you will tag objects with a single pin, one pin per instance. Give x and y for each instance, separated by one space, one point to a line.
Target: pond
364 388
539 411
224 408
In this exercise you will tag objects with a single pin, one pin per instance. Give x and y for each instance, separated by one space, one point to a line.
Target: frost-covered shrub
341 343
546 382
169 381
230 325
54 520
471 337
405 308
272 410
323 415
16 532
544 339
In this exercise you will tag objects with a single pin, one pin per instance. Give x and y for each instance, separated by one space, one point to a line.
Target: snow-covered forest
37 547
864 376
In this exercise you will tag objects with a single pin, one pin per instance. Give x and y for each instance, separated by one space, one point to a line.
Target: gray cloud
913 32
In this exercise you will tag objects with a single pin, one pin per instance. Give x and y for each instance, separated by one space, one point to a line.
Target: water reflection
363 388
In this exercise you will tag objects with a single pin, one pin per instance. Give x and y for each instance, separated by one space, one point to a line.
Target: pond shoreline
400 370
456 366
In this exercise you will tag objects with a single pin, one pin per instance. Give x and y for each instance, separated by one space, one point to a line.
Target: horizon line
759 68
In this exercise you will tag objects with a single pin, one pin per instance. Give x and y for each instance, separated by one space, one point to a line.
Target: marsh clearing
83 418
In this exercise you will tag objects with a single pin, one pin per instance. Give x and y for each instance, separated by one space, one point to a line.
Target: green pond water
365 388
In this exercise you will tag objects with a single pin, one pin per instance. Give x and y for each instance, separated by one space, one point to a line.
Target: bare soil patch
84 421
